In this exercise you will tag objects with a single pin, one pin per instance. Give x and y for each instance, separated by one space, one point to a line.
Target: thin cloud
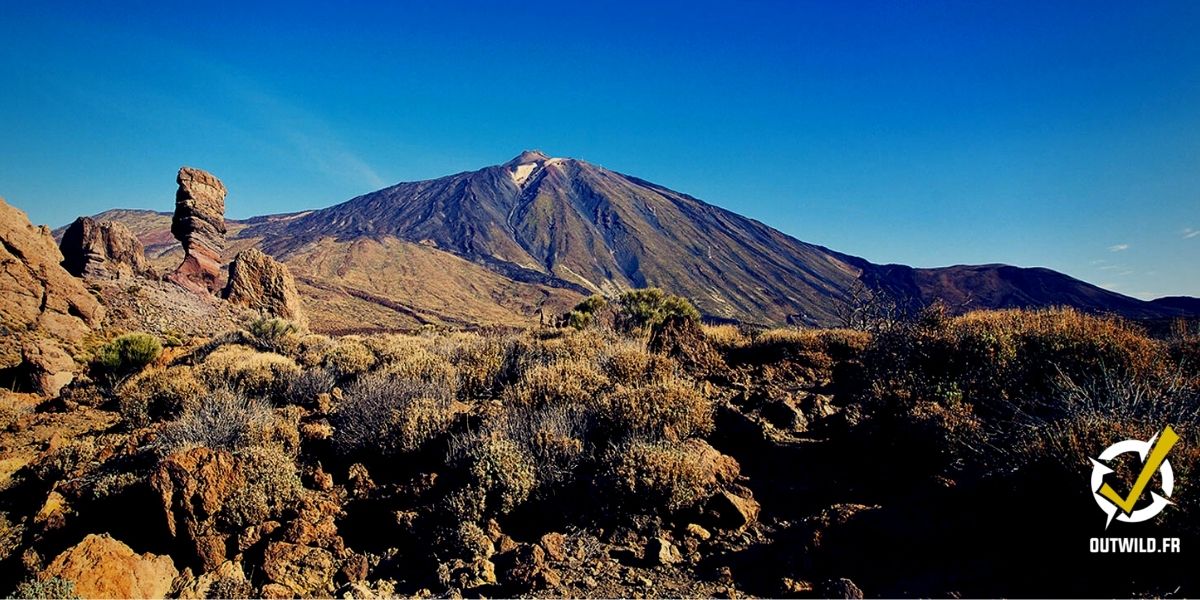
1189 233
1118 247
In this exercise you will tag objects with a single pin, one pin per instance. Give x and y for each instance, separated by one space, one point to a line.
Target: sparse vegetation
442 450
127 354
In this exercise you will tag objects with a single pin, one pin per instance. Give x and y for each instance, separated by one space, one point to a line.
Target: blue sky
1064 135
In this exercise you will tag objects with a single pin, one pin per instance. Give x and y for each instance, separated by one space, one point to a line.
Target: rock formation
199 224
262 283
42 308
102 567
103 250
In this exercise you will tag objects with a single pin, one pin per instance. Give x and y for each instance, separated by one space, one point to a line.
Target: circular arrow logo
1153 454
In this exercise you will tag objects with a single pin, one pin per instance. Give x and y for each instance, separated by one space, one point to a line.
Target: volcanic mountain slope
572 225
507 243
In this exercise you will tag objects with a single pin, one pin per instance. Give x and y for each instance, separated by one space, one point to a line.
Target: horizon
1062 137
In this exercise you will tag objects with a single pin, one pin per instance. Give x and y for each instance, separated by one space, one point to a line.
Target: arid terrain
186 415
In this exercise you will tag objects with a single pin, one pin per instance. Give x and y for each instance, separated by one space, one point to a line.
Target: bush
312 349
272 334
672 410
55 588
725 337
272 486
127 354
645 308
666 476
225 420
584 313
158 394
563 382
499 475
631 364
349 357
260 374
554 438
390 416
304 388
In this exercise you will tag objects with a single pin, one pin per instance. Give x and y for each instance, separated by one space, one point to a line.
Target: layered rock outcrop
43 309
264 284
102 250
199 224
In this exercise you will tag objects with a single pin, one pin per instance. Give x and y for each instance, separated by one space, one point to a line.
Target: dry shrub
666 476
11 535
484 364
1010 360
389 415
631 364
158 394
12 410
672 410
839 344
349 357
304 388
421 364
554 437
260 374
312 349
575 382
224 420
392 347
498 474
725 337
272 486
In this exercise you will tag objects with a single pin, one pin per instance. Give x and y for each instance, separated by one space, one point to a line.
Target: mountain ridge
563 228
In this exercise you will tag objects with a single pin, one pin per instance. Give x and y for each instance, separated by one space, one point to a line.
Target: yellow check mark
1157 455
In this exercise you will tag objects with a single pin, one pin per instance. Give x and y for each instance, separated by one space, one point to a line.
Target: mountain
535 234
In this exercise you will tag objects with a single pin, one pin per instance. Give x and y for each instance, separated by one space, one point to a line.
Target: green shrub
127 354
645 308
53 588
273 334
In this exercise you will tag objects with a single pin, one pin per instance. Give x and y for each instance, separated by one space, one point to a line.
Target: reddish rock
102 250
102 567
194 485
733 511
264 284
199 224
39 300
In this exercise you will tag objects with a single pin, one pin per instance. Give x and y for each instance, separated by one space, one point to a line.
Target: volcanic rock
102 250
262 283
199 224
304 570
40 303
103 567
194 485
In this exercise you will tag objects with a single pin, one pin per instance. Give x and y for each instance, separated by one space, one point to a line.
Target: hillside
507 243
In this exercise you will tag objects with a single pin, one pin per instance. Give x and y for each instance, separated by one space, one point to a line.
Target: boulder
199 224
304 570
840 588
555 545
103 567
194 485
525 568
47 366
39 300
262 283
733 511
660 551
102 250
